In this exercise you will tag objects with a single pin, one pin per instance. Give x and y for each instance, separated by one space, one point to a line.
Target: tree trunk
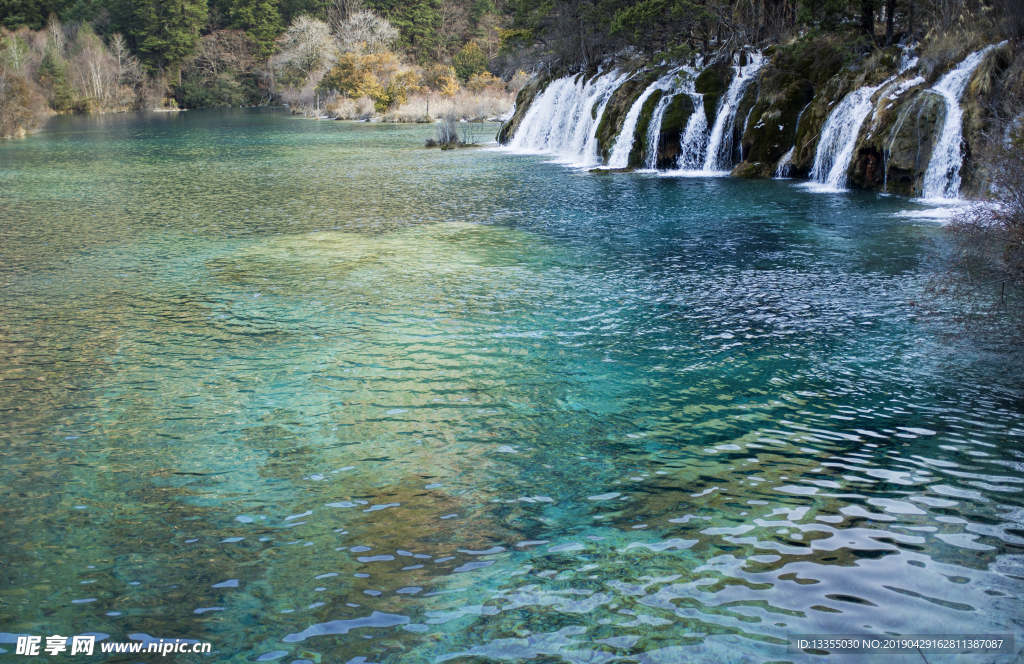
890 13
867 18
890 19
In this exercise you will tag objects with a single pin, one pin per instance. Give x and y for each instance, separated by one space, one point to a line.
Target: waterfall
654 130
719 154
839 137
785 165
695 137
942 179
710 152
619 157
562 120
908 57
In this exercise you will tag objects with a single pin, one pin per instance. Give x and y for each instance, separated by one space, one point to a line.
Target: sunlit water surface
312 392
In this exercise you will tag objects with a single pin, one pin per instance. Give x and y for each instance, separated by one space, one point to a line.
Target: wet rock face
524 98
911 142
813 120
638 155
894 143
618 108
894 147
792 79
673 125
713 83
772 128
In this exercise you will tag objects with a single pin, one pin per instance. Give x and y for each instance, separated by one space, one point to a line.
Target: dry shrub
518 80
491 103
986 76
22 106
943 50
484 81
345 108
415 109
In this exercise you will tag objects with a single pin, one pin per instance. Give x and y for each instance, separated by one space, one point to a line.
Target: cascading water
839 137
619 157
784 170
562 120
908 57
694 143
709 152
719 152
942 179
785 165
654 130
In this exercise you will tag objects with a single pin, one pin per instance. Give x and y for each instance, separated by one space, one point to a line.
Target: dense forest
356 58
373 56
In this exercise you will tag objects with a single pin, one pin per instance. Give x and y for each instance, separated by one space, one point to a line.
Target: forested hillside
163 33
582 32
392 57
352 58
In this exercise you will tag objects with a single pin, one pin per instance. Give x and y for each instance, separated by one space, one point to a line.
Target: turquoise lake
313 393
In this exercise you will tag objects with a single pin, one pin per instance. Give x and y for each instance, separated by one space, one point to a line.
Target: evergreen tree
53 76
31 13
417 20
292 9
469 62
260 20
166 31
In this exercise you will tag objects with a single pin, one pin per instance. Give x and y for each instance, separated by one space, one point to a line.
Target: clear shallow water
308 388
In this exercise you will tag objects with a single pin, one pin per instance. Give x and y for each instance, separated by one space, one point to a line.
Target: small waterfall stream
562 121
942 179
719 153
619 157
785 165
654 130
695 137
839 137
709 152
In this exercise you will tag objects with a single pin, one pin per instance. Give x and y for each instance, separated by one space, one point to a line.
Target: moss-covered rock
772 128
813 119
638 155
771 110
618 107
752 169
744 112
526 95
713 82
673 125
979 101
816 60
